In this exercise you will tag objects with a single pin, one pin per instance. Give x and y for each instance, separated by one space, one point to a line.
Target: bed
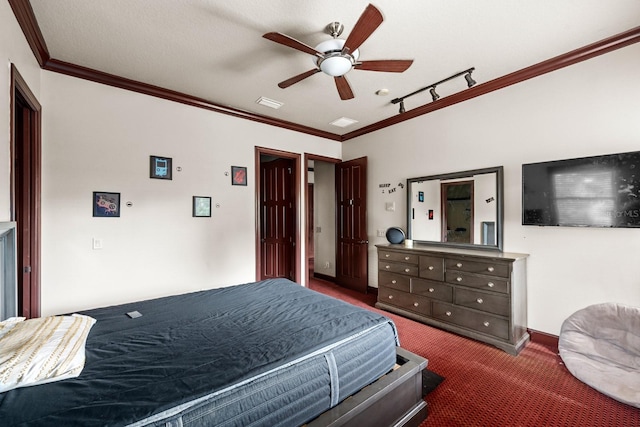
267 353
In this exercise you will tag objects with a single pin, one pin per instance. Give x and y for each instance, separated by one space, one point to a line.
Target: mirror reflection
457 209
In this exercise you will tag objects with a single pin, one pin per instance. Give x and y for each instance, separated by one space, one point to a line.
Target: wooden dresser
478 294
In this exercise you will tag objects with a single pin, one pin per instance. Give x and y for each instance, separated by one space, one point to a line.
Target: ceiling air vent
269 103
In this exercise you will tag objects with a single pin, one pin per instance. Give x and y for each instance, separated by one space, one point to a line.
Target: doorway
320 259
278 233
25 191
457 212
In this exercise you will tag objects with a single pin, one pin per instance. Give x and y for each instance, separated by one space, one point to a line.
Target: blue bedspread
187 347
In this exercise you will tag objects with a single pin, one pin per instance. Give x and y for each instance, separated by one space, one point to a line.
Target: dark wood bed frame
393 400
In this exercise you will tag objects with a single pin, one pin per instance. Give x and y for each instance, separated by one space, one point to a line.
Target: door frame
314 157
30 304
296 177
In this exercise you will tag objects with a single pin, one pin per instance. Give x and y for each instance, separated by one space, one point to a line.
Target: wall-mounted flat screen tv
599 191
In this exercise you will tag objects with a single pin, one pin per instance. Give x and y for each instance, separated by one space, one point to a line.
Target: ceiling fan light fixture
334 62
336 65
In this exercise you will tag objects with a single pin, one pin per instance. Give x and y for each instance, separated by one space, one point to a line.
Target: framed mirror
460 209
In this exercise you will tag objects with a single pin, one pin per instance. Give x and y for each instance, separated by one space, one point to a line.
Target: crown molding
159 92
570 58
27 21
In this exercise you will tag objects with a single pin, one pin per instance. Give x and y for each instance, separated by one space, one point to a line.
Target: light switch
97 243
390 206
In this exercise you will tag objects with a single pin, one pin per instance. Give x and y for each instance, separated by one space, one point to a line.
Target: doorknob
362 242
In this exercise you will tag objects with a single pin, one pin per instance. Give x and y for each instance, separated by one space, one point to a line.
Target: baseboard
324 277
545 339
372 290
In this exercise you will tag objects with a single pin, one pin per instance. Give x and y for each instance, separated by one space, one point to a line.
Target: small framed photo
238 175
201 206
160 167
106 204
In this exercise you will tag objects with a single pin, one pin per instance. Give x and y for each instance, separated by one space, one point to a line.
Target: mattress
260 354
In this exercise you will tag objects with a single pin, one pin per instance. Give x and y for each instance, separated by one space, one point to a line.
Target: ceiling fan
336 57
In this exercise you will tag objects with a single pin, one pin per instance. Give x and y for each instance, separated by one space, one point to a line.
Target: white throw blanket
42 350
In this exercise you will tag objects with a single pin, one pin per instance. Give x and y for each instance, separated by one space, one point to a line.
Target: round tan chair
600 345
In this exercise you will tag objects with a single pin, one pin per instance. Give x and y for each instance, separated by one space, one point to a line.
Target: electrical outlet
381 233
327 264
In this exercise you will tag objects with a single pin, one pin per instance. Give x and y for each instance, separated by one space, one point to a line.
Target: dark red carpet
485 386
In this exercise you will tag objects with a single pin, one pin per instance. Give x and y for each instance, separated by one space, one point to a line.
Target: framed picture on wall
106 204
201 206
238 175
160 167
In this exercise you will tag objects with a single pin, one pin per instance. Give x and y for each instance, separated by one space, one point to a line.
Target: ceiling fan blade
343 88
370 19
295 79
388 65
291 42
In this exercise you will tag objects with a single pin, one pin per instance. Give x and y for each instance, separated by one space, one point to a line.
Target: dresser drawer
395 281
430 289
398 257
492 303
432 267
396 267
481 267
405 300
476 281
479 322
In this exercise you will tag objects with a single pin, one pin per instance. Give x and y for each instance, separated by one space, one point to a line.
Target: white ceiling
214 50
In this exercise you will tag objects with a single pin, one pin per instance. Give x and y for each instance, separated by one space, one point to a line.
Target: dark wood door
277 219
351 224
25 180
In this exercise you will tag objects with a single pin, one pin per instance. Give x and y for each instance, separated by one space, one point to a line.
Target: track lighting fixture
469 79
434 95
432 88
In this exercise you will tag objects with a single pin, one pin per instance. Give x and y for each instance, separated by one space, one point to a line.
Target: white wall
587 109
99 138
13 49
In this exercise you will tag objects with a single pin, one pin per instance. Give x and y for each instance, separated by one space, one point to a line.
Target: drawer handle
407 270
485 323
459 265
431 290
479 300
394 281
415 304
387 267
448 313
459 279
490 269
431 267
386 255
490 284
390 296
407 258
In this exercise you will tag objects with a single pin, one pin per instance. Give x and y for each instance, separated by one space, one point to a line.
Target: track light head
469 79
402 110
433 93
